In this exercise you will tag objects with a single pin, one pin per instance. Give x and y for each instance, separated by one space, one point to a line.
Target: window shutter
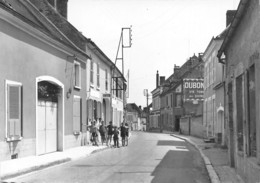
76 114
98 109
14 110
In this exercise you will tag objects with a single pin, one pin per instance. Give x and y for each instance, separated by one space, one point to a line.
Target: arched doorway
49 115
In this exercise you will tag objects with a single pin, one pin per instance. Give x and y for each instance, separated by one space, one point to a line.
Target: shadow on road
179 166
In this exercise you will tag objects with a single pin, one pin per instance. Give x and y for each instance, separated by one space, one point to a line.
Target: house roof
40 15
184 70
132 107
242 7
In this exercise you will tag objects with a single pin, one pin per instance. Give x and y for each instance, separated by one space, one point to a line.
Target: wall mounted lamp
68 94
222 59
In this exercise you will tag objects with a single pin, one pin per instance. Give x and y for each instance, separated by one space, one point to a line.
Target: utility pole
121 46
147 108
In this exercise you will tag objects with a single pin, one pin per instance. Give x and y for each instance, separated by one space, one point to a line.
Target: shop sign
193 89
95 94
106 95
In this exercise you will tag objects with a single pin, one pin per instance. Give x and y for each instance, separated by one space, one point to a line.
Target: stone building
239 53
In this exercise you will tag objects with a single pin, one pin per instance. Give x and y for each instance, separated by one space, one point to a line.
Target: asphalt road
150 157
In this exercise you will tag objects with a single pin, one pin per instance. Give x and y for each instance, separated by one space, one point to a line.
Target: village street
150 157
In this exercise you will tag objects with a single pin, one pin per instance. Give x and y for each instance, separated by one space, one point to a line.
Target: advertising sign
193 89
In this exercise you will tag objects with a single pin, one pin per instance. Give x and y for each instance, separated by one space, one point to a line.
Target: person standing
94 131
109 133
102 131
116 137
123 133
126 133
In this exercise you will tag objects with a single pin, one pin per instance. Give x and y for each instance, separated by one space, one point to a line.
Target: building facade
240 54
179 98
134 116
50 80
154 116
40 82
213 111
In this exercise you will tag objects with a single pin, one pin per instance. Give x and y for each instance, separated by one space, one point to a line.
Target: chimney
157 79
162 79
140 107
230 16
176 68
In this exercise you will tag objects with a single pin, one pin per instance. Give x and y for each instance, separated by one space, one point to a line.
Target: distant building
182 96
154 116
133 116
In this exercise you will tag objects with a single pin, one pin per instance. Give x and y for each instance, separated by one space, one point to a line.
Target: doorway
177 123
49 115
231 125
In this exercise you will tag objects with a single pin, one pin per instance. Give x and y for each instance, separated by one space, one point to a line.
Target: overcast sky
165 32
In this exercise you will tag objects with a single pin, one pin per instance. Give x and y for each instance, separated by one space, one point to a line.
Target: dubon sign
193 89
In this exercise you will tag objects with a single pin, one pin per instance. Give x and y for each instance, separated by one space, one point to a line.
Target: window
76 114
106 82
251 110
178 100
98 76
77 75
239 105
171 101
13 110
205 112
91 72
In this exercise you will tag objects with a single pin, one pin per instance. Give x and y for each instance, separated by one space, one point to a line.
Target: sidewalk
16 167
216 160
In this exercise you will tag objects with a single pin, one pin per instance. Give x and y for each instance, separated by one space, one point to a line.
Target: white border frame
9 82
60 84
77 63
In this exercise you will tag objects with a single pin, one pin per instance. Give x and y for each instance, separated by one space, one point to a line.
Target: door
47 127
231 125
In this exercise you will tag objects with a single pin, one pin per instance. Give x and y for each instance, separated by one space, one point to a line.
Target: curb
42 166
99 150
211 171
27 170
34 168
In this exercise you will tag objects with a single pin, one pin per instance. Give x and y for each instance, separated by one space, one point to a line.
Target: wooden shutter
14 110
76 114
98 109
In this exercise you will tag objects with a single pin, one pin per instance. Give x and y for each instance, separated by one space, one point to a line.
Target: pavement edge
211 171
39 167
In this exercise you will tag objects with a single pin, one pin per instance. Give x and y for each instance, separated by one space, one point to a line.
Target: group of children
109 132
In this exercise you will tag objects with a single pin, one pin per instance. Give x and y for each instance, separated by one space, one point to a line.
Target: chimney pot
162 79
230 16
157 79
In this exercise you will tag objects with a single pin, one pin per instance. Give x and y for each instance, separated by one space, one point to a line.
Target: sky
164 33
